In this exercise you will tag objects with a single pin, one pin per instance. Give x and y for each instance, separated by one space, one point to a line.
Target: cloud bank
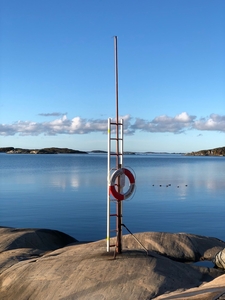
177 124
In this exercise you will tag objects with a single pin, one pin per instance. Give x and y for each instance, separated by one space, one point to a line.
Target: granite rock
45 264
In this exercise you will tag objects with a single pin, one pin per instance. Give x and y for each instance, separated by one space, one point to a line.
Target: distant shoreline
55 150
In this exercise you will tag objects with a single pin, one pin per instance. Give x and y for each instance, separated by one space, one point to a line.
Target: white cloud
164 123
184 117
177 124
53 114
214 122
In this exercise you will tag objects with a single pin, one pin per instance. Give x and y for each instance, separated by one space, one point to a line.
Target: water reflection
182 194
64 181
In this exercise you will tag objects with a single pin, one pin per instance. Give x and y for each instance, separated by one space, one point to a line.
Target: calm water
68 193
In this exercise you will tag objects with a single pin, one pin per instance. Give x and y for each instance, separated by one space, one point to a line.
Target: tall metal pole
118 162
117 100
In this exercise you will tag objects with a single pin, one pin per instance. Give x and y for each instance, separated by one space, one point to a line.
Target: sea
68 192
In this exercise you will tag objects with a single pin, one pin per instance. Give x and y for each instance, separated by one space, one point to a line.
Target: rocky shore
211 152
47 264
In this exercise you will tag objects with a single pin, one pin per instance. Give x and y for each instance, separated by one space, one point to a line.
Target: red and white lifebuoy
112 188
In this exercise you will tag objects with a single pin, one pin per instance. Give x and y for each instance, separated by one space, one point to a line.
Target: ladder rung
113 215
113 230
116 154
113 123
112 245
116 139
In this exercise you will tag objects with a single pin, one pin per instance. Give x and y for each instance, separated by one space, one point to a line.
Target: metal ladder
115 139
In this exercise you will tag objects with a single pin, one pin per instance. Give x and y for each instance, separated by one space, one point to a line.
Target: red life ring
112 189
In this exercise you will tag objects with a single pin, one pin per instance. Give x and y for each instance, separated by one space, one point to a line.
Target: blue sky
57 73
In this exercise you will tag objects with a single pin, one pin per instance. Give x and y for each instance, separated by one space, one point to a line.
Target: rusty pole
118 158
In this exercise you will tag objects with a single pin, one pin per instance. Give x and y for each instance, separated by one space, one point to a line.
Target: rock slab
45 264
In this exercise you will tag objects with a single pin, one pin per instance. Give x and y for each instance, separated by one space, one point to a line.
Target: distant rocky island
211 152
52 150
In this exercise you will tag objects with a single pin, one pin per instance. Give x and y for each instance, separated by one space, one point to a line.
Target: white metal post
122 142
108 179
121 161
